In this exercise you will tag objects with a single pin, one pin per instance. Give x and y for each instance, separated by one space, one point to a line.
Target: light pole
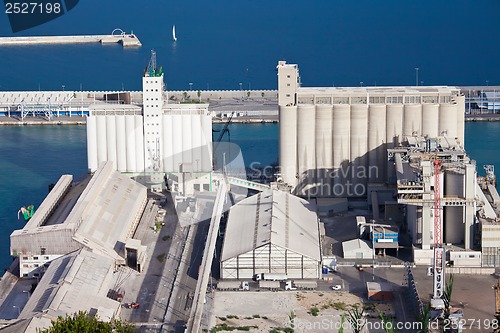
416 76
241 84
487 83
373 247
361 83
190 85
63 87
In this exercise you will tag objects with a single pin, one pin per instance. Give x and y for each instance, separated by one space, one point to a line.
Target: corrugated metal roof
74 282
356 245
272 217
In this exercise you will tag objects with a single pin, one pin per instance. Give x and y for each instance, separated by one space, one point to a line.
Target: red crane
439 254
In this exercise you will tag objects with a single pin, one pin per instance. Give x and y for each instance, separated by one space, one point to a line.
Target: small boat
173 34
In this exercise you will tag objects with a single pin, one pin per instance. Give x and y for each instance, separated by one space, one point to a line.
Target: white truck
289 286
305 284
233 285
270 277
271 285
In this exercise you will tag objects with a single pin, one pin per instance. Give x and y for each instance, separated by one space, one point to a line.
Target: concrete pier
126 40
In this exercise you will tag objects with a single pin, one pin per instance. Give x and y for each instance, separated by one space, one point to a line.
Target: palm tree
342 321
292 316
388 323
355 318
424 318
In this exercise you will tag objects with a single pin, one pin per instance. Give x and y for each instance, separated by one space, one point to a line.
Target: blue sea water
222 43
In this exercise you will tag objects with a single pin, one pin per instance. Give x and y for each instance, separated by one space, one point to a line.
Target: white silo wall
394 130
206 127
121 144
461 118
341 152
111 139
324 139
324 151
448 120
168 162
358 168
454 228
91 143
430 120
197 141
454 183
306 152
412 120
102 154
288 143
130 143
187 139
139 143
394 125
377 148
177 141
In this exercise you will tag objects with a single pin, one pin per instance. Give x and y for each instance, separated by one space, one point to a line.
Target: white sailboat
173 34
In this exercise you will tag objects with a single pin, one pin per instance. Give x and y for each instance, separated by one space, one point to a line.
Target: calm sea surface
223 43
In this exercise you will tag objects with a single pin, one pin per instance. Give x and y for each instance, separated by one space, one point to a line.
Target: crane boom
439 255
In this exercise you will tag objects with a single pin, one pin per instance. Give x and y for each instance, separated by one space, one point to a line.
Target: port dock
127 40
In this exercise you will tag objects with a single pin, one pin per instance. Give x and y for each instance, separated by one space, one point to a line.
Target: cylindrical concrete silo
177 141
168 162
92 143
430 120
197 142
324 151
288 143
139 143
111 139
121 144
358 149
394 132
187 139
102 154
461 118
448 120
412 120
377 147
130 144
341 141
206 127
306 152
454 186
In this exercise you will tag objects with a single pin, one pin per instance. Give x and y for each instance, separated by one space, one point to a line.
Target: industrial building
99 214
154 141
272 232
468 220
78 281
333 141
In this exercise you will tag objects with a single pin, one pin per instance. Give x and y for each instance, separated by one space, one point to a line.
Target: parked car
132 305
336 287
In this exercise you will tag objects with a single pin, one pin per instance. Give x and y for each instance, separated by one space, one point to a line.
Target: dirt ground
265 311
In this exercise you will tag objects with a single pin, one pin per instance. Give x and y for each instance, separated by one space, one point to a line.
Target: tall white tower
152 95
288 82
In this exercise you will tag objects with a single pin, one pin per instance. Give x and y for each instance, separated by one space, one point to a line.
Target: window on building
25 258
36 265
46 258
35 258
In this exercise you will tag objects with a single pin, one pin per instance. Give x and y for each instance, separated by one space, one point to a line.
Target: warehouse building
272 232
100 214
78 281
333 141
